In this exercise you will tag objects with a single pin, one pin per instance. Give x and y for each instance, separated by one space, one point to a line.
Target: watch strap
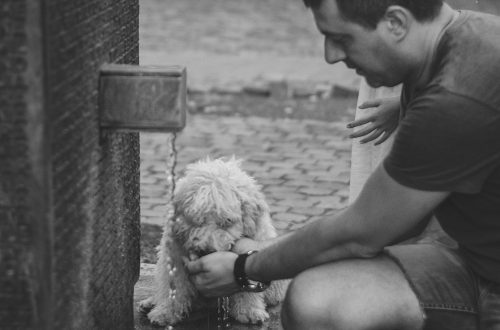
241 277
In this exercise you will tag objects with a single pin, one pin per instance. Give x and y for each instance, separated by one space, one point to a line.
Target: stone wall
69 248
20 191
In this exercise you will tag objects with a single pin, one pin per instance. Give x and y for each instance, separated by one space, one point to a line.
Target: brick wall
69 194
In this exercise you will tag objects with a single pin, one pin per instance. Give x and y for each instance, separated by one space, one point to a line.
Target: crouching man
347 273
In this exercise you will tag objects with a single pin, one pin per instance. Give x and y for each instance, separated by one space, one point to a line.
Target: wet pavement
292 141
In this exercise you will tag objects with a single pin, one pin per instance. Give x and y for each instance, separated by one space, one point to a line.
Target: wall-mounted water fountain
142 98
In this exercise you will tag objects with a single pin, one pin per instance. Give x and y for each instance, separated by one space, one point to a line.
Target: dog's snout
202 252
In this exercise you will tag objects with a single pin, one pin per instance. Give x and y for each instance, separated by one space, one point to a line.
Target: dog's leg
276 292
146 305
248 307
173 290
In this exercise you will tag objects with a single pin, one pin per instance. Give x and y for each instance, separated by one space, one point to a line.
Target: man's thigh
357 294
446 288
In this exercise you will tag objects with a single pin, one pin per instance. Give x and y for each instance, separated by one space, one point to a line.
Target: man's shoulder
468 58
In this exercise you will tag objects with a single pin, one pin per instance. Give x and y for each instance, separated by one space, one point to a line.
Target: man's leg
353 294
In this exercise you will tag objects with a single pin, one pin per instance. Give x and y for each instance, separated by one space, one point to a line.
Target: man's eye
339 40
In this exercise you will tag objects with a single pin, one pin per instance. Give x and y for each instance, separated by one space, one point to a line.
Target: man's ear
397 20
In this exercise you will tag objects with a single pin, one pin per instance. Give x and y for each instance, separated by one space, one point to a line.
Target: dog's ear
252 211
250 215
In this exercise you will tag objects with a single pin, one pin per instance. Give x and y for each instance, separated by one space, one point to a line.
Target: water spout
142 98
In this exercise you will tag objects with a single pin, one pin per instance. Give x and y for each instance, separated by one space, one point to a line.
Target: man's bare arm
384 212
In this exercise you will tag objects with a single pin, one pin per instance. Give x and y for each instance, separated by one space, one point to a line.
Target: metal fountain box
142 98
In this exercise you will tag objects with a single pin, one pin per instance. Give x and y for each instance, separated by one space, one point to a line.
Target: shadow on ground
337 106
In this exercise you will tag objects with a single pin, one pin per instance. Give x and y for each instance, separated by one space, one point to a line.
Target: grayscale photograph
249 164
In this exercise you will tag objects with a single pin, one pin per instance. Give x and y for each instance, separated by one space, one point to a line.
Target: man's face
362 49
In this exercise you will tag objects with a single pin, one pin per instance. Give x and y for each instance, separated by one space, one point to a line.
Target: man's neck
427 39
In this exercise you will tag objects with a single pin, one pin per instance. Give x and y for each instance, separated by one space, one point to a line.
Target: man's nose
333 52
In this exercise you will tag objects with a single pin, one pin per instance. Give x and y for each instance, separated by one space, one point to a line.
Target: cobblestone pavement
302 165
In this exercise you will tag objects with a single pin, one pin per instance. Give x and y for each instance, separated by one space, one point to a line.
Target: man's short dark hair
369 12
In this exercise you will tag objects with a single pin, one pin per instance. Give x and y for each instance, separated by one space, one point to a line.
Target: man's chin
373 83
377 83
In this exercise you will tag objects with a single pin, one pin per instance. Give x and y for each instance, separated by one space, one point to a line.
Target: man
445 161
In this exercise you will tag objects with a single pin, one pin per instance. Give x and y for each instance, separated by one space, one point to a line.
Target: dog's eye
229 220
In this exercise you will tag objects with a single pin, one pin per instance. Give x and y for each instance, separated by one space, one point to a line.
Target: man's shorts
451 295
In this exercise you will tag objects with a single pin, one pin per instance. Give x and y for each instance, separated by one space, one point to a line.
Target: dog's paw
146 305
159 317
252 316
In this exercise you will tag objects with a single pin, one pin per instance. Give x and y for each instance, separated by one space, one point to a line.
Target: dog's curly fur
216 203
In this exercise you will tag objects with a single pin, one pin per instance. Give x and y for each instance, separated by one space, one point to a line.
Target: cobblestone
283 219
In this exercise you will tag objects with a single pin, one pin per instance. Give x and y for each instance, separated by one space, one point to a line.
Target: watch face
256 286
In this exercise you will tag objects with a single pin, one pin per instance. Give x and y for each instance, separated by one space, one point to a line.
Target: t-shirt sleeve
445 142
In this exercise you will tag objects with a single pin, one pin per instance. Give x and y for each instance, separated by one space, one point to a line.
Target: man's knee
351 295
309 306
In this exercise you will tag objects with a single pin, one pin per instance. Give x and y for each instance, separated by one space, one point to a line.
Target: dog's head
216 203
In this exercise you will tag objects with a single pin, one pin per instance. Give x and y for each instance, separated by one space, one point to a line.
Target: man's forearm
384 211
319 242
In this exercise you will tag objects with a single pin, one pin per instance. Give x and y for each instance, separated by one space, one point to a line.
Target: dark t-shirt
449 138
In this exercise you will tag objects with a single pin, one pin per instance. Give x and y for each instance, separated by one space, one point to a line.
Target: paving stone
340 145
321 175
279 208
330 184
301 177
332 202
297 182
271 182
301 203
309 211
288 217
316 164
277 190
316 191
281 165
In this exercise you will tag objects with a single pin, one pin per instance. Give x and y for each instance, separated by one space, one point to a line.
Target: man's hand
379 125
213 275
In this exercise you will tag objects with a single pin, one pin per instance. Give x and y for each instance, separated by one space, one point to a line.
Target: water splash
171 163
223 321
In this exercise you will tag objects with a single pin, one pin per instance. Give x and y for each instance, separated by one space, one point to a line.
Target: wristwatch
241 277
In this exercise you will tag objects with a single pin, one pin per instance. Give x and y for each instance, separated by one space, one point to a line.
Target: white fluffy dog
216 203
